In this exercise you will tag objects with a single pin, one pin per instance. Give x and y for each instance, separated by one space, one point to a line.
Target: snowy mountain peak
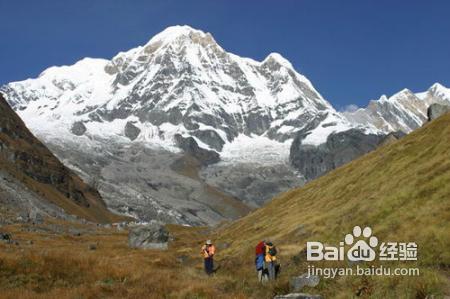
183 32
396 96
277 58
403 111
440 91
383 98
437 86
402 94
180 82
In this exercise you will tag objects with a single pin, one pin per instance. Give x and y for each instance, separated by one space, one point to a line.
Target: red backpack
260 248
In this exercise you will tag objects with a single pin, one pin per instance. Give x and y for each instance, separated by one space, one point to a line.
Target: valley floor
66 260
69 260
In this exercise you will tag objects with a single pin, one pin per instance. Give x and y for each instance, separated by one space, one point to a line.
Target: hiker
270 259
208 251
259 259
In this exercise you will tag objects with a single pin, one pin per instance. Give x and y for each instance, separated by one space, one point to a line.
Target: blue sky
352 51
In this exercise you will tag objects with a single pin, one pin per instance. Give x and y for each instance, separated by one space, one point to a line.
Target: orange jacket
268 257
208 251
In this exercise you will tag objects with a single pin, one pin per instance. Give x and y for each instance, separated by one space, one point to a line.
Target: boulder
22 216
131 131
151 236
436 110
78 128
35 217
5 237
299 282
190 146
75 232
298 296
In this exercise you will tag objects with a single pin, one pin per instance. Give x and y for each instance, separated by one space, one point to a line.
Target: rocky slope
34 180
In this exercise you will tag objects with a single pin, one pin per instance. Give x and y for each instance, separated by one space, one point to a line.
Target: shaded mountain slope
401 190
32 164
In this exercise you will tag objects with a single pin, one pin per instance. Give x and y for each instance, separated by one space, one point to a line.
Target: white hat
208 242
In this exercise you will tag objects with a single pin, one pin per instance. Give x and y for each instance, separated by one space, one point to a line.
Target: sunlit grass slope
401 190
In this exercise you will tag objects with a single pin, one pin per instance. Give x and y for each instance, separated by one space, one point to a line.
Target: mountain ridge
246 102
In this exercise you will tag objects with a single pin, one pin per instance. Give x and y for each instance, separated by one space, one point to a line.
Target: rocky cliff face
339 149
30 162
190 146
436 110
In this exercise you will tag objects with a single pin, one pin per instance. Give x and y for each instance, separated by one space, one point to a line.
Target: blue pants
209 265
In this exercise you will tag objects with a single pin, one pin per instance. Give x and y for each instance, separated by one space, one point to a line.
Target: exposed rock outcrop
151 236
190 146
340 148
5 237
210 137
299 282
435 110
78 128
131 131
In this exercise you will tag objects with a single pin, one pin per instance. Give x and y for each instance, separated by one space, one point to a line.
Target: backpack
260 248
273 251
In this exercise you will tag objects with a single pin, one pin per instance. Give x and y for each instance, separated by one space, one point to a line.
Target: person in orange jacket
208 251
270 259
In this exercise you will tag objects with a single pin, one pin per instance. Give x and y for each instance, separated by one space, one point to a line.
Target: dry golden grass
401 190
62 266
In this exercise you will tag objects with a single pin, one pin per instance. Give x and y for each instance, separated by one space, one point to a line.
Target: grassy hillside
401 190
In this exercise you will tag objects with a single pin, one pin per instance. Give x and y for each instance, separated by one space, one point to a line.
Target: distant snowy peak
180 82
438 93
404 111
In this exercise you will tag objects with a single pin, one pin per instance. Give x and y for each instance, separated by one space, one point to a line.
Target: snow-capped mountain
404 111
181 81
118 124
132 125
